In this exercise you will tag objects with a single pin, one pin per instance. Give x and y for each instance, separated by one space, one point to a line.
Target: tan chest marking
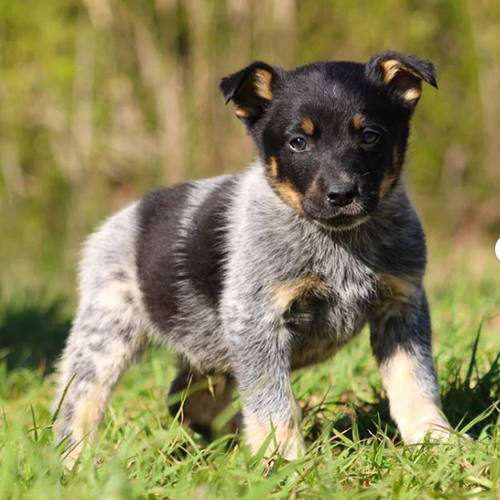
288 292
398 291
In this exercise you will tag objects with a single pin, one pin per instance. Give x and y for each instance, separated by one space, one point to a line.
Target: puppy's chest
325 309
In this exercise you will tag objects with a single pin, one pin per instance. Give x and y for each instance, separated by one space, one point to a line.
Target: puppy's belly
313 353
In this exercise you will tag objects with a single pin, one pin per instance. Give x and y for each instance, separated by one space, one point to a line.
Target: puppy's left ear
402 75
252 90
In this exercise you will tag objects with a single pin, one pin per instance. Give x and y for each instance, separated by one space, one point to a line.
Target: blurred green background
101 100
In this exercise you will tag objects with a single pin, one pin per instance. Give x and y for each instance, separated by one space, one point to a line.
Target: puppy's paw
428 433
293 449
434 432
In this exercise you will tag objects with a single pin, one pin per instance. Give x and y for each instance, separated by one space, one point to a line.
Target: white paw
437 432
293 449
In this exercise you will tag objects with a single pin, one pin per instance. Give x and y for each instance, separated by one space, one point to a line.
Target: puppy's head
332 135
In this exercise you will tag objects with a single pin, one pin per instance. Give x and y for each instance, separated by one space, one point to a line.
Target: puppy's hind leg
92 363
201 399
107 334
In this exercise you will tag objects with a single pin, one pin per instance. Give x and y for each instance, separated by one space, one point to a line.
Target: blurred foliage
101 100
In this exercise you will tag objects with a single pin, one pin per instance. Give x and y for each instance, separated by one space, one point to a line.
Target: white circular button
497 249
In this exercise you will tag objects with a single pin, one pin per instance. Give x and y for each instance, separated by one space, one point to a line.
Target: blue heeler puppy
248 277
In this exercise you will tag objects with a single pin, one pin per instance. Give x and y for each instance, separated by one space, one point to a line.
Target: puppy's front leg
401 342
268 402
261 362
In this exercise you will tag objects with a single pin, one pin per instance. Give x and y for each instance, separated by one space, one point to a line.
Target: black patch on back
206 243
160 212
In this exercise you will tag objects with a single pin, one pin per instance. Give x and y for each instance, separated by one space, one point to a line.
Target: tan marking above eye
307 126
262 84
357 121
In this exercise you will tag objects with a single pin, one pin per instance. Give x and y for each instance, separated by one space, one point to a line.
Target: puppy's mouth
341 219
341 222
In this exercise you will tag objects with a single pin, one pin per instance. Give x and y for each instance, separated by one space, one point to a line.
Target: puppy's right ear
401 75
252 90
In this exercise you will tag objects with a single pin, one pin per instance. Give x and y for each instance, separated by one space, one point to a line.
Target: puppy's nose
341 195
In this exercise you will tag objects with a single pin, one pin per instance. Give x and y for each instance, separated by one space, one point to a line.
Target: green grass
354 450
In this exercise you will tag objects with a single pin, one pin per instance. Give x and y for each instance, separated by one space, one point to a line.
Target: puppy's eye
298 144
369 137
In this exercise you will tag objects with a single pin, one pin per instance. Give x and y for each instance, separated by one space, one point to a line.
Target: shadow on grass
470 402
32 332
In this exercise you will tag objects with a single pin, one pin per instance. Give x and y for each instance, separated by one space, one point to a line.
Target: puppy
249 277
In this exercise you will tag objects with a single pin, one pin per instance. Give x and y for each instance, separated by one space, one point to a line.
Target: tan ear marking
412 95
307 126
392 67
241 112
262 84
408 82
